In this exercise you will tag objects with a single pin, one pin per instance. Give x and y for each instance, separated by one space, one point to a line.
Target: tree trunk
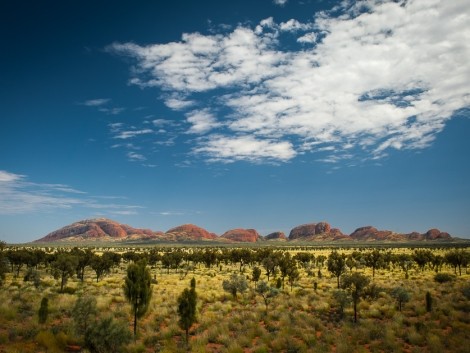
355 312
135 323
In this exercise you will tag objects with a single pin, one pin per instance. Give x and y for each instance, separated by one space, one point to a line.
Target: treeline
65 263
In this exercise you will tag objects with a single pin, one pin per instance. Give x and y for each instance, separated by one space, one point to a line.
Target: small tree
401 295
83 313
63 268
43 310
428 302
138 289
256 275
236 283
33 276
101 265
336 265
374 260
355 284
267 292
187 303
342 298
293 276
106 335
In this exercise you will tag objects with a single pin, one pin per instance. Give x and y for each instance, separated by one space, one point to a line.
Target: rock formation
276 236
99 229
190 232
242 235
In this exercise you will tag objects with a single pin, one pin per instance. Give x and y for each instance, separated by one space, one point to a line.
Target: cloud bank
20 196
364 79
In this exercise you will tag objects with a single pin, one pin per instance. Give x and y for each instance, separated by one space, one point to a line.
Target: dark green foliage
138 289
33 276
356 285
236 284
401 295
256 274
107 335
187 303
64 267
278 283
336 265
457 259
428 302
3 265
84 258
83 313
466 291
267 292
443 277
343 299
374 260
422 258
293 276
43 310
101 265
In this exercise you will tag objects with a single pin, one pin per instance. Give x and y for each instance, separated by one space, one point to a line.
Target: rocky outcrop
316 232
276 236
432 234
99 229
369 233
190 232
242 235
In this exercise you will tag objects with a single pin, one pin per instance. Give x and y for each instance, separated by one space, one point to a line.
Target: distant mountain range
102 229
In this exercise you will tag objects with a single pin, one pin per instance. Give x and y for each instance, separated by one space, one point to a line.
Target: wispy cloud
20 196
370 76
280 2
124 135
136 157
96 102
102 105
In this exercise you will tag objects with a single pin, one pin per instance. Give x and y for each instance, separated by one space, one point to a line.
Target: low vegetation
221 299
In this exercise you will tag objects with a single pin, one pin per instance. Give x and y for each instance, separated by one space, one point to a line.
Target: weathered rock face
316 232
434 234
191 232
242 235
276 236
99 229
371 233
302 231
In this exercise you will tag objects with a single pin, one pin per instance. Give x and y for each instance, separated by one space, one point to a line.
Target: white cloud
123 135
293 26
382 76
96 102
112 111
280 2
201 121
234 148
308 38
6 177
178 103
20 196
136 157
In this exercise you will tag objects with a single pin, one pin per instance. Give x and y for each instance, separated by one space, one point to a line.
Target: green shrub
443 277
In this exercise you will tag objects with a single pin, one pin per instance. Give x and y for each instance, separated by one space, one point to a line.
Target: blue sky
227 114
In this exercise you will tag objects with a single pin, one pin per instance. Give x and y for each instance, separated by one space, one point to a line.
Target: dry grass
303 320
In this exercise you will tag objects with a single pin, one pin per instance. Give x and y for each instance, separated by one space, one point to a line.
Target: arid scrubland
405 305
